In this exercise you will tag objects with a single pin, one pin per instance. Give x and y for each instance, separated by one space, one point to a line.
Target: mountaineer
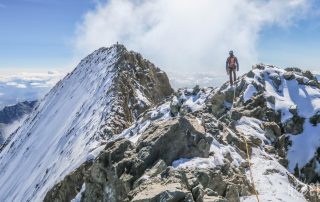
231 66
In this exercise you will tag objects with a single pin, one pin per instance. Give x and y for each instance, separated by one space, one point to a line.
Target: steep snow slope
71 123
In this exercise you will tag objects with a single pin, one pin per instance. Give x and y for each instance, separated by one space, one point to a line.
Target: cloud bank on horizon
186 35
19 87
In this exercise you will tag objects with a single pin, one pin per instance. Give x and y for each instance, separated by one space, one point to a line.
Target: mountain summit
114 130
104 95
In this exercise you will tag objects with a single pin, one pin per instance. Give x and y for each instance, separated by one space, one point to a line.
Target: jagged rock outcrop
278 124
138 85
122 164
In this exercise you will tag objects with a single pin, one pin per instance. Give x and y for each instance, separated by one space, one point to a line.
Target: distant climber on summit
231 66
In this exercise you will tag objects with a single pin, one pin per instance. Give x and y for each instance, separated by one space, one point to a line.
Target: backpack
232 62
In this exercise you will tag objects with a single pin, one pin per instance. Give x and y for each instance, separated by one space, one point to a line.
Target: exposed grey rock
289 75
294 125
313 83
250 74
196 90
210 192
232 194
122 163
269 149
175 106
214 199
69 187
198 193
293 110
315 119
258 66
311 192
180 137
218 104
276 80
293 69
271 99
185 109
283 161
156 192
272 130
309 75
301 80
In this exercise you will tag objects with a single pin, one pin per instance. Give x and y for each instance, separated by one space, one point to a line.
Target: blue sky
37 33
40 34
297 45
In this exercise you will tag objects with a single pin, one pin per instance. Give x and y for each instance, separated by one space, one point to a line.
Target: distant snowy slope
19 87
73 120
12 117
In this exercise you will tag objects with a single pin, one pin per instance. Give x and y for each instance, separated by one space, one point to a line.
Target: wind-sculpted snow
63 132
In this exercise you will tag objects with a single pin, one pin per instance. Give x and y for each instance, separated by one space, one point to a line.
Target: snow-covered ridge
60 134
70 124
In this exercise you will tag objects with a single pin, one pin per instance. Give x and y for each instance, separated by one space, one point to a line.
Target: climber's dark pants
232 72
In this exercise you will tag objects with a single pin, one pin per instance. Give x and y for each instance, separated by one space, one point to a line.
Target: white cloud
186 35
18 87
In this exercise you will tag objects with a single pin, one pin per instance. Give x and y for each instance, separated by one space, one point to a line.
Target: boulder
308 74
258 66
276 80
181 137
198 193
293 69
175 106
293 110
196 90
272 130
214 199
313 83
156 192
301 80
250 74
67 189
294 125
232 193
271 99
269 149
315 119
289 75
217 103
